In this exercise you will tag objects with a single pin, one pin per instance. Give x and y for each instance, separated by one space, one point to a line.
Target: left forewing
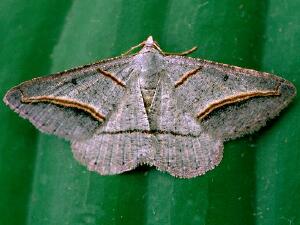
73 103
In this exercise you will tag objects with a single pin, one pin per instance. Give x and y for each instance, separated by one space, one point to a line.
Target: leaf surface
258 179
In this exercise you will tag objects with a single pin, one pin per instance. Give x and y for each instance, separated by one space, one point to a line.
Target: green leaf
258 180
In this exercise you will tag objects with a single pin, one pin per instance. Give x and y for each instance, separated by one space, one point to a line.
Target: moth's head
149 45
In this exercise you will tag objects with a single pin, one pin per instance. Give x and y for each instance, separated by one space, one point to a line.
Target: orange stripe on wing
235 99
111 76
186 75
65 102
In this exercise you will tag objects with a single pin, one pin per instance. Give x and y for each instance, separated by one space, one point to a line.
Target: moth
151 107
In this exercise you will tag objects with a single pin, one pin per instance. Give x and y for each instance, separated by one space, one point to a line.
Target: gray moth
166 110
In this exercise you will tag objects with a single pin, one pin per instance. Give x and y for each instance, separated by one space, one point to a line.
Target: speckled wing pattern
230 101
172 112
71 104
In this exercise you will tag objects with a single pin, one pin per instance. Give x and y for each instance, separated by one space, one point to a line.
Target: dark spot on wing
74 81
225 77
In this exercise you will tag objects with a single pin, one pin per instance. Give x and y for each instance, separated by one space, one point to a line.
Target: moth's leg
182 53
133 48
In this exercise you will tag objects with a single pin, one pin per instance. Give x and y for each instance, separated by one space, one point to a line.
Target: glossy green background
258 180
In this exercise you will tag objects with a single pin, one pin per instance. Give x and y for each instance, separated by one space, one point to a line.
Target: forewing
184 148
72 104
228 101
124 141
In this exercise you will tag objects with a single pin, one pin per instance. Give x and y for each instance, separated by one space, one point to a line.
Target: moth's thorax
149 68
